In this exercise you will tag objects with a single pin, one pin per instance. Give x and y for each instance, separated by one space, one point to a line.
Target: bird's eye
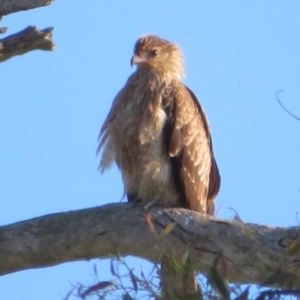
153 53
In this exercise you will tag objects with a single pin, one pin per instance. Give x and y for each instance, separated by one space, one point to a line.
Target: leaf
223 265
168 229
112 268
150 223
244 295
98 286
294 247
133 280
69 293
185 256
219 283
95 270
217 280
127 297
80 288
143 274
261 296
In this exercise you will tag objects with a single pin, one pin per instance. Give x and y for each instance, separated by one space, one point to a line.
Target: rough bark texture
24 41
28 39
248 253
11 6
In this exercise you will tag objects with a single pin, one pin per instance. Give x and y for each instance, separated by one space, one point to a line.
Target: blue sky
238 55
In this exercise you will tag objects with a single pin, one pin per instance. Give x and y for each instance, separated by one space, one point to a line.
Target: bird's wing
109 118
214 176
105 137
189 145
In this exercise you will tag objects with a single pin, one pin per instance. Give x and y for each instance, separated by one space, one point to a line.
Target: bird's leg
150 204
137 201
132 198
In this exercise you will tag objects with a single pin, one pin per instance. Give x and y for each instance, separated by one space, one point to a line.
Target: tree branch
11 6
247 253
291 114
26 40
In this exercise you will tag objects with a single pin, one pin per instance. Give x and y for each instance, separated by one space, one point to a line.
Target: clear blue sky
238 55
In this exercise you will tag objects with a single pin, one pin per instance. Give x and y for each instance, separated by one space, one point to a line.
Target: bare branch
26 40
3 29
11 6
246 253
291 114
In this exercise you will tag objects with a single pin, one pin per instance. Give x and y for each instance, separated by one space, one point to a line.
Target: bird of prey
158 134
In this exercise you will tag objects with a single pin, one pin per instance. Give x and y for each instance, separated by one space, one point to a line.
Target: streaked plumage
158 134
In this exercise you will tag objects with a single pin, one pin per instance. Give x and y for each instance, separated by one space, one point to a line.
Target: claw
150 205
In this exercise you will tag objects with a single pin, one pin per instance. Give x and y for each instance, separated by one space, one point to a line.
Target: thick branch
24 41
11 6
249 253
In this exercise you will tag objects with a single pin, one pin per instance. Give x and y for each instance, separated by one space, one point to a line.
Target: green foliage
129 284
125 284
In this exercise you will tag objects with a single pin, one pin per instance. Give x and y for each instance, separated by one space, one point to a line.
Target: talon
136 202
150 205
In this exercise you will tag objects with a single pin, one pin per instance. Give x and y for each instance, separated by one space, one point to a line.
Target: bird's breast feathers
135 136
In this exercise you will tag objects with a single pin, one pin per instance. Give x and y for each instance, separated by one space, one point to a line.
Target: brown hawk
158 134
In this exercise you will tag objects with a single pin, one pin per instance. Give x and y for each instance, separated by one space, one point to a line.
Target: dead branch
11 6
26 40
280 103
3 29
247 253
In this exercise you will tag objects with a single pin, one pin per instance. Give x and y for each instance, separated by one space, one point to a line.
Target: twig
3 29
291 114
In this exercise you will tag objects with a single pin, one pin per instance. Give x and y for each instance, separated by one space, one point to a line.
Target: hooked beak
135 60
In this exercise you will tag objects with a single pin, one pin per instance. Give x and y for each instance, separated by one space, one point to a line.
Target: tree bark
24 41
11 6
248 253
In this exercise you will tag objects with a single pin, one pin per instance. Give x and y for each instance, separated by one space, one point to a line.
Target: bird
158 134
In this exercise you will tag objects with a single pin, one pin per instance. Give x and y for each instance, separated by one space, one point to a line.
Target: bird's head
153 52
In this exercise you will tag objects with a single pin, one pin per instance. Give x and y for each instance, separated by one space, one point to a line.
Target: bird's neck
158 75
